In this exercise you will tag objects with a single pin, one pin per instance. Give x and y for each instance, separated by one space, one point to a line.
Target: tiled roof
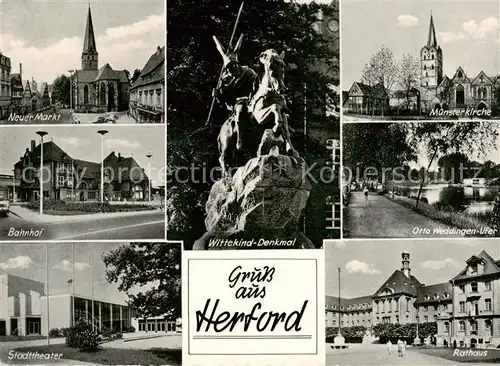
398 283
354 304
124 169
51 152
434 293
85 76
153 71
106 73
490 267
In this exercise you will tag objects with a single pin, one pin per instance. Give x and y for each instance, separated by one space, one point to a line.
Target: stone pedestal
262 201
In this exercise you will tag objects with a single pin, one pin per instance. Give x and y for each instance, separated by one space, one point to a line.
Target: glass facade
105 317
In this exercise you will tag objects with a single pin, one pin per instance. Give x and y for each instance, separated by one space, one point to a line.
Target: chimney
406 263
21 71
33 144
119 155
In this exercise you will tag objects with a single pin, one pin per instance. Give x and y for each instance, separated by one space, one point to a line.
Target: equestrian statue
252 102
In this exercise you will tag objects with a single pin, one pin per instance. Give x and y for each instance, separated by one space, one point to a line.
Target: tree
445 92
61 89
381 69
150 274
496 102
377 145
194 67
452 165
408 77
439 139
135 75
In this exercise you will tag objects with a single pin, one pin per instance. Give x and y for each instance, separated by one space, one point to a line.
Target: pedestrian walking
400 348
389 347
365 190
404 348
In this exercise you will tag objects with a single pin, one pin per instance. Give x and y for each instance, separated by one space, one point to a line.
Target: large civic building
98 89
23 311
466 308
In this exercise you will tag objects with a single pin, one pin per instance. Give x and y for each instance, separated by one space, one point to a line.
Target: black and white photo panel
420 60
253 124
421 179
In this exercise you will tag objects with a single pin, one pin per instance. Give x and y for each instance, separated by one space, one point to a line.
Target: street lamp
71 73
149 176
102 133
14 186
416 341
41 134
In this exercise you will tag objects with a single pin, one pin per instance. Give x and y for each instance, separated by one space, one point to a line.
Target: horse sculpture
249 102
269 100
236 87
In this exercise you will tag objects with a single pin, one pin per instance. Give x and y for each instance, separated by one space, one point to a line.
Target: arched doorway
482 105
437 106
460 95
473 343
111 97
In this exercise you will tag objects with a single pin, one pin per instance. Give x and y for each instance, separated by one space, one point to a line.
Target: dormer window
473 269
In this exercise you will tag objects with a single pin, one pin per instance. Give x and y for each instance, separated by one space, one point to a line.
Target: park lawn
110 356
493 355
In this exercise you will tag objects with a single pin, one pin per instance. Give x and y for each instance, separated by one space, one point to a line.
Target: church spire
431 41
89 53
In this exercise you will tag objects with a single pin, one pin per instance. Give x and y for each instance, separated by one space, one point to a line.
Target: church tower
431 60
89 53
406 263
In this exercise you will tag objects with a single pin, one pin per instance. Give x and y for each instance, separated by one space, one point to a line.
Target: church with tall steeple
438 91
98 89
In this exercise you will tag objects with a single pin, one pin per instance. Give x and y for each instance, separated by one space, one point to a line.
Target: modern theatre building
466 308
23 311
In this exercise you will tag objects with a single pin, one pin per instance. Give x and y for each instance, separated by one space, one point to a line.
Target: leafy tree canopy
150 274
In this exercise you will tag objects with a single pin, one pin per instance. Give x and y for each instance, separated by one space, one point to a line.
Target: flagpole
92 267
222 70
47 287
73 284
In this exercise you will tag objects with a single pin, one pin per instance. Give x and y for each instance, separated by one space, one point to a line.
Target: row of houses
18 95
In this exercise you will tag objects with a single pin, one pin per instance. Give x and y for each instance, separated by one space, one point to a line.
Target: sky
365 265
46 36
29 261
84 143
467 31
493 155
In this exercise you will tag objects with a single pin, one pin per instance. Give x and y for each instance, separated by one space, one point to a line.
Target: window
426 319
425 67
435 307
60 180
487 304
461 326
462 306
473 287
447 327
473 327
426 308
487 286
461 289
473 269
432 67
